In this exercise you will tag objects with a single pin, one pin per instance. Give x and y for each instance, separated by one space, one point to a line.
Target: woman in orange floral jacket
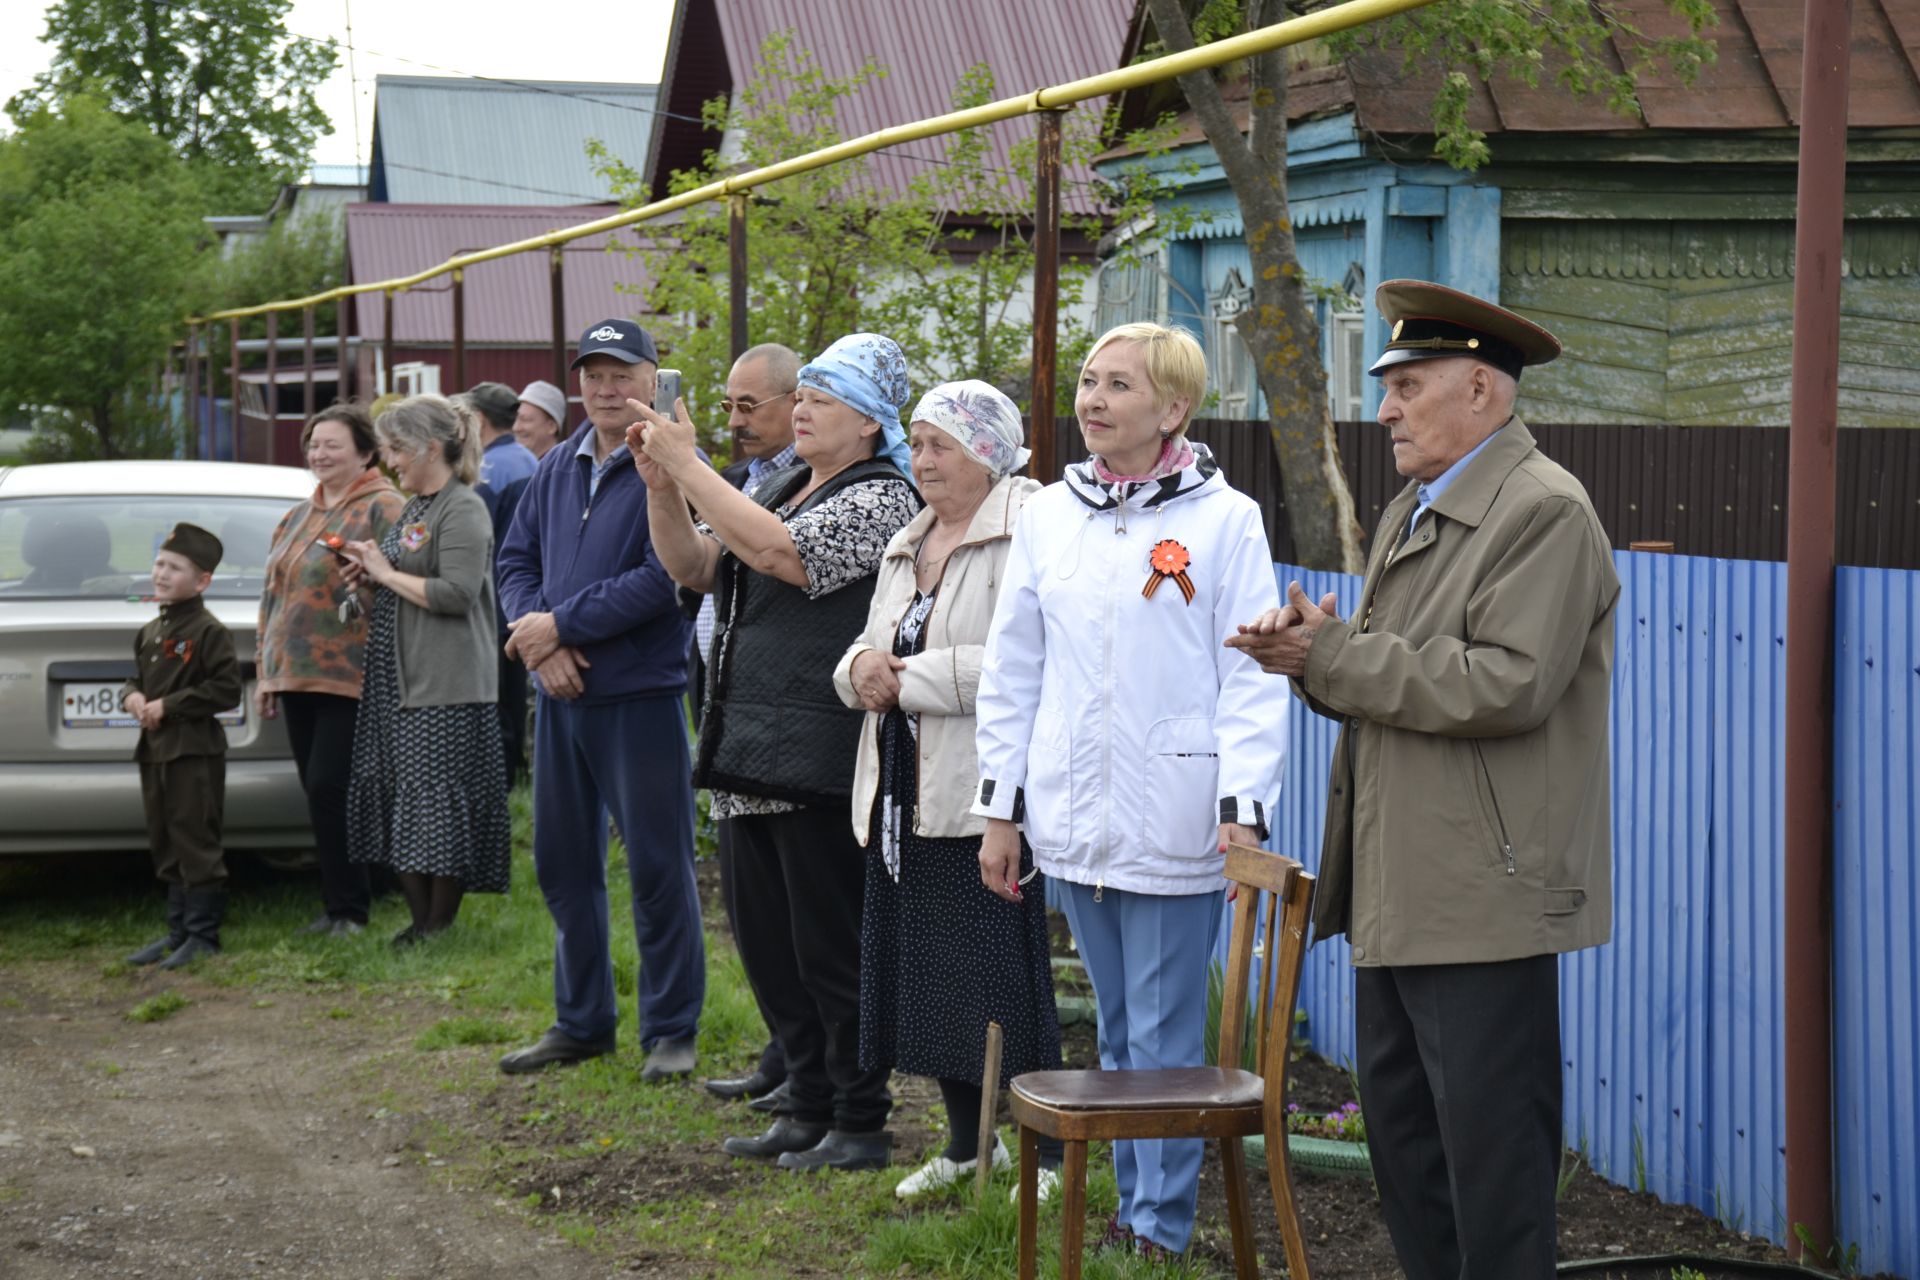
313 635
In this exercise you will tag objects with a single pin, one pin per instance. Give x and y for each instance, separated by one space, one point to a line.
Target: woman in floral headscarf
941 956
792 569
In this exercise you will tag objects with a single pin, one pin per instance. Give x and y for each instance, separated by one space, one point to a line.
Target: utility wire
536 87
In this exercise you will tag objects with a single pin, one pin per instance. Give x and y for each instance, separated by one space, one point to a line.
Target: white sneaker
941 1172
1048 1186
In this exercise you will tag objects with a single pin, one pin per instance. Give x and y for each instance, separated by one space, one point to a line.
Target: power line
534 87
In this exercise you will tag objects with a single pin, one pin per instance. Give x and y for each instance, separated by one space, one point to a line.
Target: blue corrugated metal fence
1672 1031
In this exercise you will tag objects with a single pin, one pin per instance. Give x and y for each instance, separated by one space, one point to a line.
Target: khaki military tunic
185 658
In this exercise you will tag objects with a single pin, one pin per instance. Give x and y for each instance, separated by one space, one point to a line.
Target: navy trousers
628 758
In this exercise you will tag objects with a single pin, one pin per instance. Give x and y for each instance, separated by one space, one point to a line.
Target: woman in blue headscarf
792 569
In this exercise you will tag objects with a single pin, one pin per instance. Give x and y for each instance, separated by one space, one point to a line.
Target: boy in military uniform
185 674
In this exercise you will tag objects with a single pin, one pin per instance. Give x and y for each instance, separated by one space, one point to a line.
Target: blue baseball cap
621 339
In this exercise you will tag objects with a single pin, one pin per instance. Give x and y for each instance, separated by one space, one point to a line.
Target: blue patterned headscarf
982 421
867 372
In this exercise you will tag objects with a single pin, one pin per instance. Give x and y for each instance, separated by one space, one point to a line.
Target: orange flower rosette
1169 559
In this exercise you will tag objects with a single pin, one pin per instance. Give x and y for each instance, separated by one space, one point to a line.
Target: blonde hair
1176 366
418 421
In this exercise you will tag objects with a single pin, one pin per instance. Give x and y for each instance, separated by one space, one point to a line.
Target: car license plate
97 706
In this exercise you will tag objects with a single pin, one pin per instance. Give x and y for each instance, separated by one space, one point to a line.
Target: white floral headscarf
981 419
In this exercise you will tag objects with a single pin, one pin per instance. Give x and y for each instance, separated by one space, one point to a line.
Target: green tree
98 229
225 86
1596 48
301 255
943 267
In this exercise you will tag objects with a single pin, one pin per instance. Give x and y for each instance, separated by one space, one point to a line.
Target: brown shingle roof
1753 84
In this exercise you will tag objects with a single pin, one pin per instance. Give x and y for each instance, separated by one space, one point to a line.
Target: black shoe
189 951
322 923
771 1101
556 1046
753 1086
785 1137
161 948
407 937
154 952
841 1150
202 913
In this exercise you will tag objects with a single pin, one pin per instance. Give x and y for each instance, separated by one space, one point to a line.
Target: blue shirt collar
619 453
1430 491
759 468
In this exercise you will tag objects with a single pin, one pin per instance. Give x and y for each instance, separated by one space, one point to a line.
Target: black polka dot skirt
940 957
428 793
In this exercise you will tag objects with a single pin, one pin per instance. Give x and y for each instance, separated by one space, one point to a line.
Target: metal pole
273 386
737 272
1046 300
213 404
306 336
557 276
233 390
346 377
386 344
1808 882
459 330
190 393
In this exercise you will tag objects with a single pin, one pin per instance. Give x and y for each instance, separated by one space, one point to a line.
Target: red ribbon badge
1168 559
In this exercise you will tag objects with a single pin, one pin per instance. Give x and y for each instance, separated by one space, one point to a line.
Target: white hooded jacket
1115 726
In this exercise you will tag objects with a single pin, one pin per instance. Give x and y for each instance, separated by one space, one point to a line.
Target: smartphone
334 543
666 391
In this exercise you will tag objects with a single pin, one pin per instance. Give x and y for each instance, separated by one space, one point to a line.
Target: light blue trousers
1147 956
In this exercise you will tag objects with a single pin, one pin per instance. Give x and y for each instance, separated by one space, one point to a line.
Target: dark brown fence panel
1711 491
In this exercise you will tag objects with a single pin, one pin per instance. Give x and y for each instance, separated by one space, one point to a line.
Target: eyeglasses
745 405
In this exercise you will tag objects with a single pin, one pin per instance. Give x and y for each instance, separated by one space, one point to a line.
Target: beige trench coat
940 682
1468 809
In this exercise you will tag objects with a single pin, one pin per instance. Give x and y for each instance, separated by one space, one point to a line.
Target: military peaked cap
1431 321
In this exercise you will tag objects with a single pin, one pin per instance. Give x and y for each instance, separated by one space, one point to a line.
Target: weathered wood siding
1690 323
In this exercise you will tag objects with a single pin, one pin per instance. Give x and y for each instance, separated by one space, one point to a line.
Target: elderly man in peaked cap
1467 839
594 617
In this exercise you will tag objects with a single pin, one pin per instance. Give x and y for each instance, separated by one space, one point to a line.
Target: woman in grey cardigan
428 796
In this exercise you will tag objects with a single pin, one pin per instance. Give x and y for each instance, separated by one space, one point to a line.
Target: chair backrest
1284 888
1269 939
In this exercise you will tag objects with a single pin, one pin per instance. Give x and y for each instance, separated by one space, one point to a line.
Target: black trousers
320 726
185 800
773 1059
798 881
1459 1070
513 718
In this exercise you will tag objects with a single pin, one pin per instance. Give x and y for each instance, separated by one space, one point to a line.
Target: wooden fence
1710 491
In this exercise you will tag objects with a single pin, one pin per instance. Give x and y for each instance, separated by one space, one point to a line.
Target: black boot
843 1150
206 908
161 948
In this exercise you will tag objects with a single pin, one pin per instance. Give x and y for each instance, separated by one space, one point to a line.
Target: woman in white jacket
1119 734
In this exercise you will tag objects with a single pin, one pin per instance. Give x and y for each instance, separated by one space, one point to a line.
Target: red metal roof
508 301
925 47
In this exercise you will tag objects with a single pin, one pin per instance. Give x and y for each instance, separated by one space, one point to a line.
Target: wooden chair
1223 1103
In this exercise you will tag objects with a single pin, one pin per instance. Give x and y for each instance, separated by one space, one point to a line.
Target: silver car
76 548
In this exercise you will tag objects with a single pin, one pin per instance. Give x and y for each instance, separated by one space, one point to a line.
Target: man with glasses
759 408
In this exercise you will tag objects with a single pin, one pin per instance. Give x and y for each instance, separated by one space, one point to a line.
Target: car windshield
66 548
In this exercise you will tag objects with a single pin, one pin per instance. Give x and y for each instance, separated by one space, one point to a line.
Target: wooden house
1657 245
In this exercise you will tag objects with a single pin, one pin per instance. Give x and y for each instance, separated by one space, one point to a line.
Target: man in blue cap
593 616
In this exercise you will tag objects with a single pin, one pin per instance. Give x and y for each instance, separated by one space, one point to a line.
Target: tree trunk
1280 330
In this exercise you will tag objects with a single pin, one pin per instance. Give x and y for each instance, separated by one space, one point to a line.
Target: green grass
157 1008
437 1016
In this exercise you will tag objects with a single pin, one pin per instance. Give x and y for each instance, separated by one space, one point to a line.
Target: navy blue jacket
593 567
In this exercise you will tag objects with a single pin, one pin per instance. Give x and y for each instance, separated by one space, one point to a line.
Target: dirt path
228 1140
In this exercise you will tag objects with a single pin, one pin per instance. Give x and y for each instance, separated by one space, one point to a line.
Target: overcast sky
517 40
